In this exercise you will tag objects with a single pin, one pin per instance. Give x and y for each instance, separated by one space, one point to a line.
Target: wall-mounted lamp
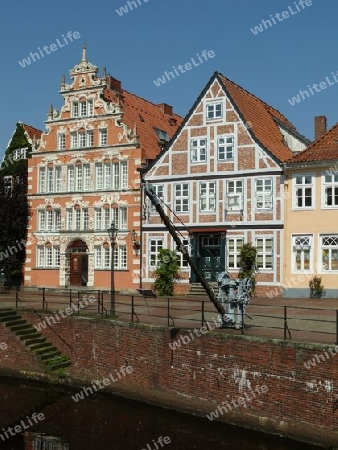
136 242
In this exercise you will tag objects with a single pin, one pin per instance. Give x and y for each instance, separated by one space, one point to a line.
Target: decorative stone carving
77 200
49 201
109 199
127 133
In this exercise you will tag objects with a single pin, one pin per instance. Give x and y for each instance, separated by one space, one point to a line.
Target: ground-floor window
264 252
48 256
234 246
329 252
155 245
102 257
301 252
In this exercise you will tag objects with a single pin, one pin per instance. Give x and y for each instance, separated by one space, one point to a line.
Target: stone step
33 335
7 312
61 365
49 356
24 331
47 348
17 322
9 318
24 326
36 342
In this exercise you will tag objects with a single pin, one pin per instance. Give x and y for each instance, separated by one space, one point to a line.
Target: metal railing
269 320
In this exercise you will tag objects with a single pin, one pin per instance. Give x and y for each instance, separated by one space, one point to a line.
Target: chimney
320 126
166 109
115 85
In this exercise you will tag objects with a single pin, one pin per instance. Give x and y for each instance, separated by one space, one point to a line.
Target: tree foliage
166 272
248 264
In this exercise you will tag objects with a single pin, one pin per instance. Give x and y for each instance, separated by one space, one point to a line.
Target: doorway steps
198 289
46 353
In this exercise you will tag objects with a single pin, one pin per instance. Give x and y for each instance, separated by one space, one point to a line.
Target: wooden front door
75 269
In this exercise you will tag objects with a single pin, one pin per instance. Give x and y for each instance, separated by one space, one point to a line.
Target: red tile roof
324 149
32 132
263 119
146 116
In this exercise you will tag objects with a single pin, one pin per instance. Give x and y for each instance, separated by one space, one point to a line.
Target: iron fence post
336 326
78 303
202 323
285 322
70 298
43 299
16 299
168 313
132 309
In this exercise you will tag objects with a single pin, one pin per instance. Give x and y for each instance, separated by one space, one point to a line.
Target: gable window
61 141
8 185
84 108
103 137
198 150
82 139
303 191
159 191
329 252
214 111
264 253
264 193
225 148
208 196
330 187
234 246
20 153
301 253
234 198
182 197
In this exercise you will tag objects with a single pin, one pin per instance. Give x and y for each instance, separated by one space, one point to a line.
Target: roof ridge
151 103
31 126
321 138
257 98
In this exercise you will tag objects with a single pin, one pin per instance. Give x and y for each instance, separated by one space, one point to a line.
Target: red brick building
84 175
221 175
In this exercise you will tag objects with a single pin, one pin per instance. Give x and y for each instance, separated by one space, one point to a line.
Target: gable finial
84 53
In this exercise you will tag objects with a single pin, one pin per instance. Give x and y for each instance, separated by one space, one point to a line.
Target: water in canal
39 417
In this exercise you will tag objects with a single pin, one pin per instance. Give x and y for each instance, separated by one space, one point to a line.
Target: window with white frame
264 253
303 191
77 218
103 134
49 179
84 108
225 148
102 257
208 196
8 185
198 150
214 111
49 220
330 189
20 153
48 256
155 245
159 191
234 246
234 195
111 176
78 177
329 252
105 216
61 141
264 193
301 253
181 261
182 197
82 139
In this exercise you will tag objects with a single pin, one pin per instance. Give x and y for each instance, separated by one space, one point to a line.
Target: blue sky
139 46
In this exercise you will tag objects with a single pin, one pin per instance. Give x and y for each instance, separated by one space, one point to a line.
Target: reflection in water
109 422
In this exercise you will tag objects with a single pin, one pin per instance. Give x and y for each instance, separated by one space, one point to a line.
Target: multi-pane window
181 261
264 193
8 185
329 252
77 218
49 220
234 246
234 195
198 150
208 196
50 179
105 216
304 191
61 141
103 257
155 245
103 137
214 111
83 108
111 176
225 148
81 139
159 191
181 197
20 153
301 253
48 256
79 177
330 187
264 253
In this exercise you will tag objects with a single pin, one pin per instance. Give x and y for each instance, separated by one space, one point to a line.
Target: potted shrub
316 287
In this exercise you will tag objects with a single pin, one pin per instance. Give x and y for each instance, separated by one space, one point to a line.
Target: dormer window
162 135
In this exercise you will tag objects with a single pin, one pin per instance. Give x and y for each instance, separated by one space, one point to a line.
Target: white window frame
159 191
102 257
111 176
184 265
328 267
198 150
103 137
158 244
303 186
48 257
264 253
61 141
329 184
302 243
207 193
234 199
264 195
237 244
181 193
225 146
212 111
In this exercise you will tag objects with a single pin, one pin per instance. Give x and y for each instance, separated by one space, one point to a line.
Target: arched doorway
78 263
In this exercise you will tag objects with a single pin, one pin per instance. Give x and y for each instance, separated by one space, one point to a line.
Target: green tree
248 264
166 272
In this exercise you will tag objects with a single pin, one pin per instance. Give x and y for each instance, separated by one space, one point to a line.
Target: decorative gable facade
221 182
84 176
